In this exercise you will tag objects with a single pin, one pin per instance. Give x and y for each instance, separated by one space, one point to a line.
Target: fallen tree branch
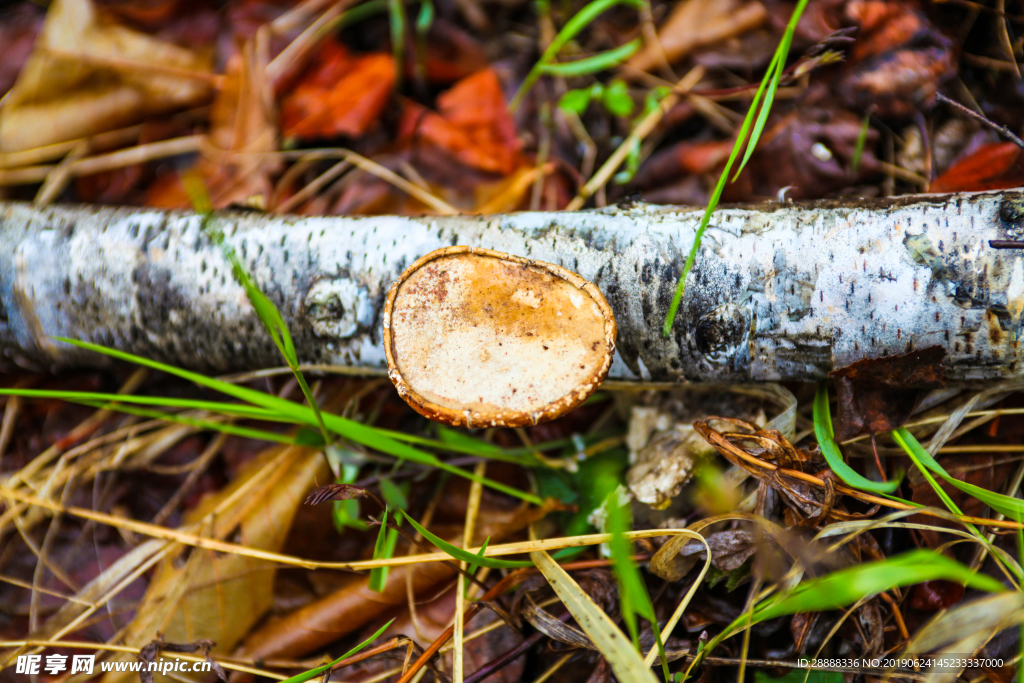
780 291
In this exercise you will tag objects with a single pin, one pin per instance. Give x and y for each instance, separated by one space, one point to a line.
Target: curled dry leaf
553 627
729 550
808 504
880 394
899 61
476 337
199 593
335 492
151 650
85 76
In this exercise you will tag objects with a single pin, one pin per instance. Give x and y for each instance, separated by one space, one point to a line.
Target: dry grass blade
987 615
610 641
96 594
217 596
106 647
472 510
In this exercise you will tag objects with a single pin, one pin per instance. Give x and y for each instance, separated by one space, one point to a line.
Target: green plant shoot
771 81
830 449
313 673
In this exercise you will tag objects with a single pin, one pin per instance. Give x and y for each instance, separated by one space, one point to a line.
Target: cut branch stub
476 338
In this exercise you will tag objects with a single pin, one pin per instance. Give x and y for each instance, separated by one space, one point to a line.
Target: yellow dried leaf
85 77
199 593
697 23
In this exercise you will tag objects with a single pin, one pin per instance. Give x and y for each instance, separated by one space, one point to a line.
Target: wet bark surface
780 291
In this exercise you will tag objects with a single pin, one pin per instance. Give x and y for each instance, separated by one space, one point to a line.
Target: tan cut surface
484 334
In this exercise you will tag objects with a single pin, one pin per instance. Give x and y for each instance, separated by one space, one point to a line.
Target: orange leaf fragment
996 166
473 125
343 95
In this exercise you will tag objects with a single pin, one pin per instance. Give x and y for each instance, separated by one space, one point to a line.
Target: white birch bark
779 291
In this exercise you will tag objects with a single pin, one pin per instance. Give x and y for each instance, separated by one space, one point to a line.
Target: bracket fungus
477 338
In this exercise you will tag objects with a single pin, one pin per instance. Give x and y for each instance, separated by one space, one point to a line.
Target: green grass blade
762 110
471 569
716 194
779 60
632 589
392 494
230 409
1012 507
462 554
594 64
313 673
580 21
862 141
396 12
265 309
233 430
383 549
354 431
847 586
830 449
778 65
361 12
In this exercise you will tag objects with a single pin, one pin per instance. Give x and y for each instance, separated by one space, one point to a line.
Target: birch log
780 291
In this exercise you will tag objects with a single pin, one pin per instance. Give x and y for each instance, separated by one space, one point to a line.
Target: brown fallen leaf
696 23
899 61
242 136
86 77
199 593
880 394
345 611
809 151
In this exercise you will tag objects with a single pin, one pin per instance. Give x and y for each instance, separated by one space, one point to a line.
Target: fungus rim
504 417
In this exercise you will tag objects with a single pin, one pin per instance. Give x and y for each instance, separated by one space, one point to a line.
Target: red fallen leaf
473 125
879 394
342 95
931 596
995 166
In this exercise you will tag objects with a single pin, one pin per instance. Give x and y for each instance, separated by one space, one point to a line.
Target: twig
107 162
1003 130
